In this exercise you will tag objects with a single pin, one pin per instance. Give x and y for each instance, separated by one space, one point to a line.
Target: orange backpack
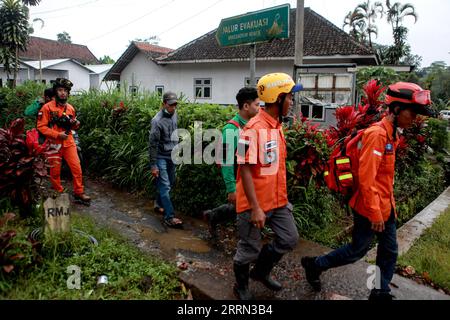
341 173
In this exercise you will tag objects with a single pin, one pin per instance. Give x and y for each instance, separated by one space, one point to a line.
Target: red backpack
36 142
341 173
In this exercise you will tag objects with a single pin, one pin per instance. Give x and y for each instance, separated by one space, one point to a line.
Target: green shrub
14 101
439 135
198 188
417 187
314 207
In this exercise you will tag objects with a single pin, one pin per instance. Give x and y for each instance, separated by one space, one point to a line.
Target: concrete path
208 272
414 228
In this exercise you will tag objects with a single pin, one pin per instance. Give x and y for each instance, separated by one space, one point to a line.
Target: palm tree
396 13
355 21
370 13
31 2
14 35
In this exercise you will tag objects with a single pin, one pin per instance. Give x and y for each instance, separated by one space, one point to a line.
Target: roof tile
322 38
51 49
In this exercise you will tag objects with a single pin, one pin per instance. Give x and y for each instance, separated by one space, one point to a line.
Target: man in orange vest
248 102
56 120
373 202
261 191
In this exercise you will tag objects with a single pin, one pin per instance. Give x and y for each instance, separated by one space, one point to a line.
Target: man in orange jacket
373 202
261 189
56 120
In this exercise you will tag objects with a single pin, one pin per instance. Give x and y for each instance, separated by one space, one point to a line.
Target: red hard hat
410 95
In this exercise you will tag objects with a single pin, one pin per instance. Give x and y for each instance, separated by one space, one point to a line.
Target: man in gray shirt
161 145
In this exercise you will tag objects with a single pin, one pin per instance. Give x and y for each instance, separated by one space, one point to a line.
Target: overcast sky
107 26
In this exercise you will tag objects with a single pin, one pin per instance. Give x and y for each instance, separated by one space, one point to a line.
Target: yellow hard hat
272 85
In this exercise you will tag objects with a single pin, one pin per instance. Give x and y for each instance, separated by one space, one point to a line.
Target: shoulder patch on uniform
377 153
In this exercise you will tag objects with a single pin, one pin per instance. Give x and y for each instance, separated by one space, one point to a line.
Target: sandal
159 210
173 223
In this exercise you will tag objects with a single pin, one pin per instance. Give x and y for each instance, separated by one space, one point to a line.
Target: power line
191 17
65 8
131 22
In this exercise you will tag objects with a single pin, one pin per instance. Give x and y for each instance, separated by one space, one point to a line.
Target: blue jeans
164 184
361 240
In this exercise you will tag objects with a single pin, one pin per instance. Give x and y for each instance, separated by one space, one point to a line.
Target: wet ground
206 268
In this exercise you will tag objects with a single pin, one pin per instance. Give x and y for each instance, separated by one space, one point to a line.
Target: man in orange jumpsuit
56 120
261 190
373 202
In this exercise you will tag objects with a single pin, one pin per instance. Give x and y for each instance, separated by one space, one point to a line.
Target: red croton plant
309 148
349 118
412 144
19 169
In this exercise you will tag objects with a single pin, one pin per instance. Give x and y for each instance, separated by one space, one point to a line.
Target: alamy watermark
206 147
374 279
74 280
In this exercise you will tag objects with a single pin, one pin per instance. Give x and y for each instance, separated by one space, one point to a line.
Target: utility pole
253 65
299 30
40 64
299 41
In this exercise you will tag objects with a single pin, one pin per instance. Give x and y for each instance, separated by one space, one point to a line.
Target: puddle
136 213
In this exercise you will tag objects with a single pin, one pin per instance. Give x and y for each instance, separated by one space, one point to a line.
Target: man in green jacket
248 103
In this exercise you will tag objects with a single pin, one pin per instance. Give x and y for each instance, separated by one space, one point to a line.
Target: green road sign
254 27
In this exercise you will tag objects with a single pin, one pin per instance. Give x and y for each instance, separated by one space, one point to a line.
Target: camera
65 122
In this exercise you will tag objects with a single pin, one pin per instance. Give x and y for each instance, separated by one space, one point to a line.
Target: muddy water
135 217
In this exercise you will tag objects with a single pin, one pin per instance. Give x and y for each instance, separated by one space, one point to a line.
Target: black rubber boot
209 217
220 215
261 272
312 272
380 295
82 199
241 286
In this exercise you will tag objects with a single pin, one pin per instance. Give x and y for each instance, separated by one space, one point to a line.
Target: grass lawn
431 253
43 273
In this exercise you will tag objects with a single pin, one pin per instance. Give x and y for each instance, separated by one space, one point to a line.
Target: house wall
22 75
227 78
50 75
330 119
94 82
76 73
106 85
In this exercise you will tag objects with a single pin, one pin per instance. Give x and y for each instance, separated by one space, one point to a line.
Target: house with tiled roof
46 49
138 54
45 60
206 72
84 77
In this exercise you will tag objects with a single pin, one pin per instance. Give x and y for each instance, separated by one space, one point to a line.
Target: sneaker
312 272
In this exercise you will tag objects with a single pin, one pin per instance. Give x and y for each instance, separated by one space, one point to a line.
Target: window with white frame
328 88
313 112
203 88
133 89
159 90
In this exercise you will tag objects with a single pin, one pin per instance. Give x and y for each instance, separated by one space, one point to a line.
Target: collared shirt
230 136
45 117
374 197
262 144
